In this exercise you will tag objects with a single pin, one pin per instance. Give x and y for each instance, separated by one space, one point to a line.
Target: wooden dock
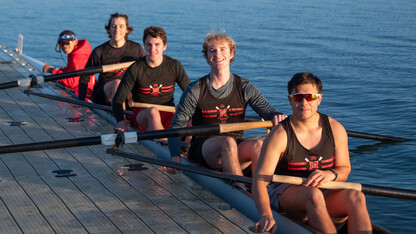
100 194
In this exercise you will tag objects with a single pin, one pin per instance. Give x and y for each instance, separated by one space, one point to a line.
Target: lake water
363 51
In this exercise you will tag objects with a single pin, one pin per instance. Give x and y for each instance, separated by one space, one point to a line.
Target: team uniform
206 105
301 162
77 60
105 54
150 85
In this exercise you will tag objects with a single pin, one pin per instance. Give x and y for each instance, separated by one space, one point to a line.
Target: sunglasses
298 97
62 43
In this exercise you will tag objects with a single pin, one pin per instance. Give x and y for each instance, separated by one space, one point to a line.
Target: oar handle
112 67
159 107
232 127
364 188
328 185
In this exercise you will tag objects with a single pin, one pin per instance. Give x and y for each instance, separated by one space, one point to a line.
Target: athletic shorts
275 189
166 118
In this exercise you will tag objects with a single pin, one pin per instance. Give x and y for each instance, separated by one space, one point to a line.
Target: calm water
364 52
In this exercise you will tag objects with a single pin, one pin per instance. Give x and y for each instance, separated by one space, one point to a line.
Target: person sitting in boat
312 145
117 50
78 52
220 97
151 80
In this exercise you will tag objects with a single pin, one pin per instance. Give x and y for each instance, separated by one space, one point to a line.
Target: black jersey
299 161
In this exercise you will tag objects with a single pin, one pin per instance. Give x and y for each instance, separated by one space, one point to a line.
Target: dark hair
155 32
118 15
303 78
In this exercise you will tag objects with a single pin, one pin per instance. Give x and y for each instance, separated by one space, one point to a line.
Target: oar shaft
375 136
389 192
9 85
77 102
148 105
50 145
183 167
84 72
129 137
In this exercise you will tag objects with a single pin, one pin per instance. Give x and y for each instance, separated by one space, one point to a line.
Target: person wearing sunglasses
314 146
78 52
220 97
117 50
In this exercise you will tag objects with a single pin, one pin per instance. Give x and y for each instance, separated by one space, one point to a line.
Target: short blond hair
214 37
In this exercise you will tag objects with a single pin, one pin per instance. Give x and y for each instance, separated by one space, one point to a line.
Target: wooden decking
104 196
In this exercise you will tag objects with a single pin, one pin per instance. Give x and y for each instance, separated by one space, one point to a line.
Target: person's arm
184 112
93 61
273 147
342 166
182 78
123 90
260 104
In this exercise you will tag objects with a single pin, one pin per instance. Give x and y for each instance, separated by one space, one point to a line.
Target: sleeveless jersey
230 109
155 85
299 161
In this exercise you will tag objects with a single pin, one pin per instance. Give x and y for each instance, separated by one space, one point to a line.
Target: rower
117 50
312 145
78 52
220 97
151 80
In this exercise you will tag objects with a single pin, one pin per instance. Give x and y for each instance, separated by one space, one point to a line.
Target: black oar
34 80
74 101
183 167
376 137
130 137
365 188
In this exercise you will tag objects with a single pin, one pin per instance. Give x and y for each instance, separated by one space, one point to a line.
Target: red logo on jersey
156 89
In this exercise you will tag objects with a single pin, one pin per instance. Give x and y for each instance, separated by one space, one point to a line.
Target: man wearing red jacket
78 52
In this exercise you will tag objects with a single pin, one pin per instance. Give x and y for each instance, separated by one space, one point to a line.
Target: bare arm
273 147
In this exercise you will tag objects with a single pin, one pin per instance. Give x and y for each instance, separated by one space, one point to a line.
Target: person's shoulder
83 47
171 60
337 128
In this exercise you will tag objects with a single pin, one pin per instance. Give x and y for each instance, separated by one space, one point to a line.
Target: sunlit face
68 46
219 55
305 109
118 29
154 47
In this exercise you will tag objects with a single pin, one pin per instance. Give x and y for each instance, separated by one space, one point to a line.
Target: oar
29 82
74 101
159 107
131 137
366 189
183 167
376 137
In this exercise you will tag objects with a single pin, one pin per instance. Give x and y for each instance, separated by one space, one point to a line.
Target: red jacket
76 61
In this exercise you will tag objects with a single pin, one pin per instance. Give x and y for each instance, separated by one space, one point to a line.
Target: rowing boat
234 196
